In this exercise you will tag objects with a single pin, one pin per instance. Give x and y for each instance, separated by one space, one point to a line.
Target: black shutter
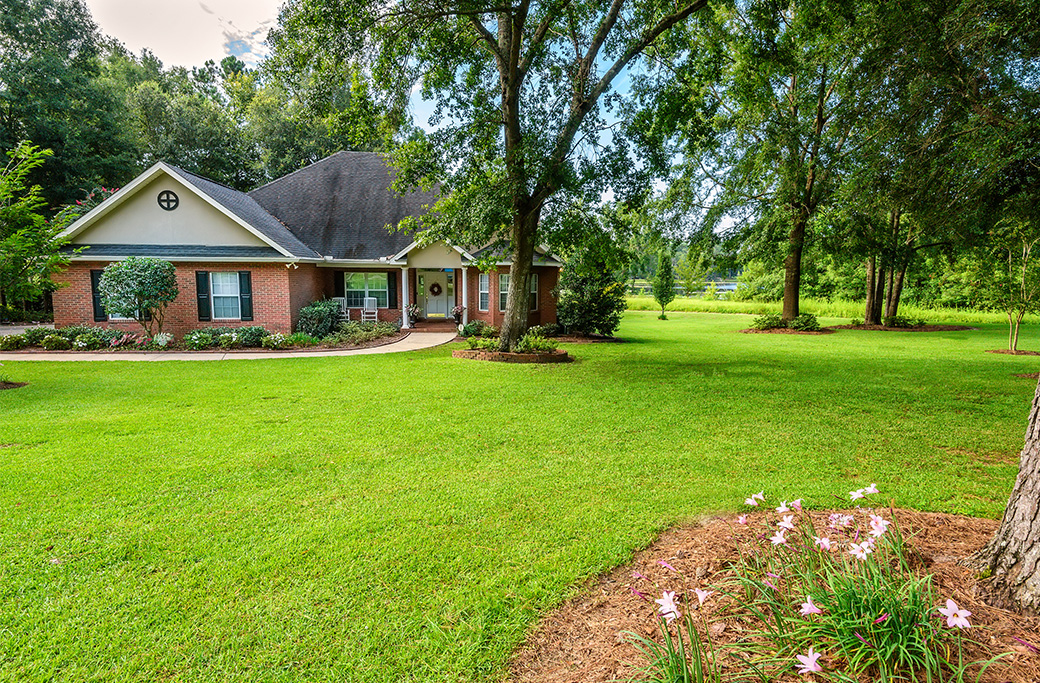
339 285
391 289
202 289
99 311
147 314
245 294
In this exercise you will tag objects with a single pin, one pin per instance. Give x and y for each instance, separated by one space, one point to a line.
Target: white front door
436 294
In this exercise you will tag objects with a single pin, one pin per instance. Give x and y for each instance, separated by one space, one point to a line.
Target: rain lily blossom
955 616
871 489
860 550
778 537
822 541
809 662
667 566
883 618
668 609
788 522
702 595
796 505
761 495
783 507
809 608
857 494
878 525
742 519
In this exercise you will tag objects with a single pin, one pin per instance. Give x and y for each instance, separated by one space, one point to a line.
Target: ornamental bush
483 343
12 342
54 342
534 343
319 318
902 322
276 340
591 293
771 321
806 322
140 288
34 335
197 340
94 339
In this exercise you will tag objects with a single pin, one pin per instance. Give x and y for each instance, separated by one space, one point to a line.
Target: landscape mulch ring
785 330
583 640
1008 352
12 385
921 328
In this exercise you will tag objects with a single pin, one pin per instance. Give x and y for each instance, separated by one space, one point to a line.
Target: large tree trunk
793 267
518 300
871 275
896 289
875 290
1013 555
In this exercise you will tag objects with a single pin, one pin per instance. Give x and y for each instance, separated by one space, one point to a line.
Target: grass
407 517
838 308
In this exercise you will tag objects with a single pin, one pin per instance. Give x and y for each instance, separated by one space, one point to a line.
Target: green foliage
770 321
94 339
591 293
228 340
681 657
806 322
319 318
483 343
275 340
71 332
197 340
474 328
55 342
140 288
353 332
546 330
532 342
12 342
902 321
664 280
302 339
711 292
251 336
34 335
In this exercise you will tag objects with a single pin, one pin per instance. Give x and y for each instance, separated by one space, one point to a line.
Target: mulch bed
1028 375
922 328
582 640
12 385
557 356
382 341
784 330
1014 353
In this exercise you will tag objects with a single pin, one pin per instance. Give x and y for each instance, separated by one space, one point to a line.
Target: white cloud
188 32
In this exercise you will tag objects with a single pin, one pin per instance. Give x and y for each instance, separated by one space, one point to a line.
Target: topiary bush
55 342
770 321
319 318
806 322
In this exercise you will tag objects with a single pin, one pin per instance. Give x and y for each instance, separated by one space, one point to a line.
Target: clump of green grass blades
682 657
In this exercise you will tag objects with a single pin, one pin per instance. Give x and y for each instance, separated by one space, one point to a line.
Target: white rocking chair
370 312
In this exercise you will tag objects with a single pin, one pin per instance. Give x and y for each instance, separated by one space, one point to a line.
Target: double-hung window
362 285
484 291
534 291
226 296
503 290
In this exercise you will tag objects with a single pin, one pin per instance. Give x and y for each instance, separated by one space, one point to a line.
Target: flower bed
503 357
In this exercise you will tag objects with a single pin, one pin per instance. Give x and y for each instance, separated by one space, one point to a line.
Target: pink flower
809 662
637 575
667 566
783 507
883 618
955 616
878 525
742 519
860 550
750 501
641 596
768 583
857 494
871 489
755 498
701 595
788 522
809 608
796 505
822 541
668 608
778 538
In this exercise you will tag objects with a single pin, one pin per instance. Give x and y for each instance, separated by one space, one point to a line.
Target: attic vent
168 200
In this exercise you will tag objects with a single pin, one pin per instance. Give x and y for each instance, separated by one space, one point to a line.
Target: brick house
257 258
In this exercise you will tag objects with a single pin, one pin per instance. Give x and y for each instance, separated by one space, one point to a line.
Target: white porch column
465 294
405 322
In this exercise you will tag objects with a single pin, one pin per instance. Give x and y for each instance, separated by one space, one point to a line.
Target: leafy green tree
140 288
1007 275
591 293
29 245
692 271
522 91
664 281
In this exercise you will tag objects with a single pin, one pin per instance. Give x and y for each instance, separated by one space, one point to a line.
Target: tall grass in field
839 308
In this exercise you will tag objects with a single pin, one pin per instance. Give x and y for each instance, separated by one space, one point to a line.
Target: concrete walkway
413 342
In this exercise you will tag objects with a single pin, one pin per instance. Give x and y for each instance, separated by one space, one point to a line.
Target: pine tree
664 281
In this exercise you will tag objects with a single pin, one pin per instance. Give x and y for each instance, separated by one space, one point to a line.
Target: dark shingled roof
500 251
172 251
246 208
341 205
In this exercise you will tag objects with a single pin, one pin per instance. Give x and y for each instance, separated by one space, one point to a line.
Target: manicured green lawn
408 516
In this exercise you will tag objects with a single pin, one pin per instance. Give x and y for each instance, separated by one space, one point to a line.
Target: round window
168 200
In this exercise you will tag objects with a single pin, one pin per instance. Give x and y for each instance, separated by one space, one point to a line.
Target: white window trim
483 287
501 303
213 297
369 292
534 290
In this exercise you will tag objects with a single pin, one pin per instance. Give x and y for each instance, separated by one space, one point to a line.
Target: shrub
856 322
547 330
489 331
301 339
228 340
319 318
664 281
483 343
34 335
806 322
55 342
354 332
72 331
902 322
533 343
12 342
124 339
276 340
94 339
591 294
162 340
197 340
473 328
139 288
251 337
770 321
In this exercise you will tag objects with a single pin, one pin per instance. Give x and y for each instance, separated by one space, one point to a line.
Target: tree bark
871 275
896 289
793 267
875 290
1012 557
518 299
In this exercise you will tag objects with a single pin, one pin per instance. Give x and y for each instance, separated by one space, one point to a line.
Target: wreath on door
435 289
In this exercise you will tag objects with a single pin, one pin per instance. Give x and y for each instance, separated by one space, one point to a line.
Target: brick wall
546 313
272 304
307 283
